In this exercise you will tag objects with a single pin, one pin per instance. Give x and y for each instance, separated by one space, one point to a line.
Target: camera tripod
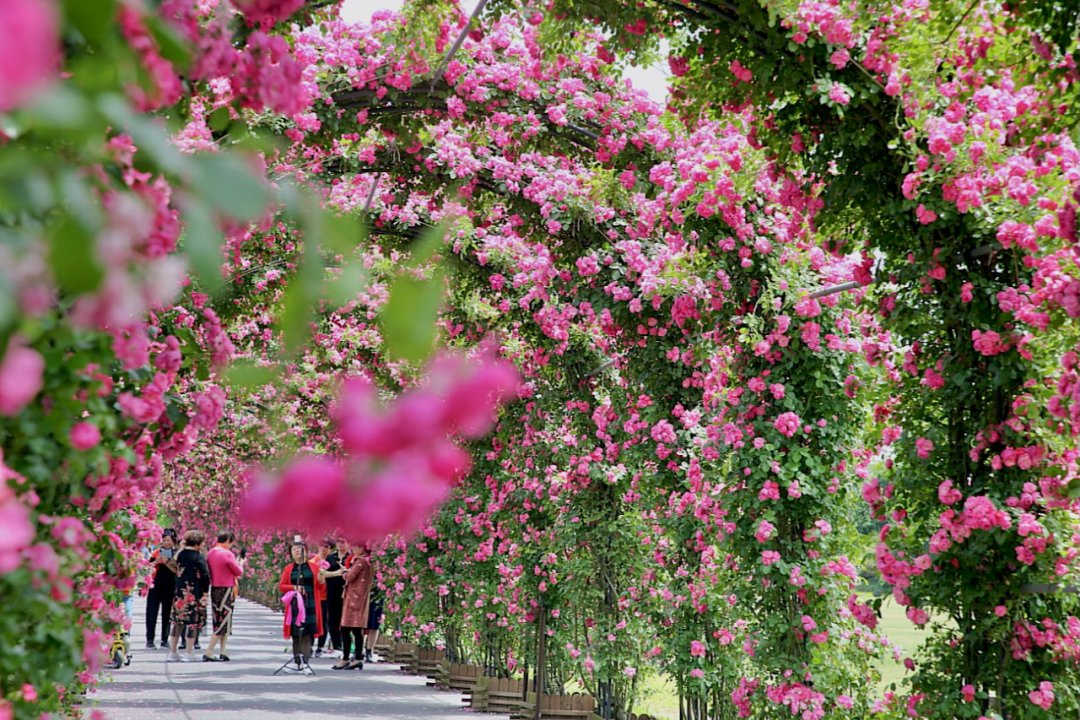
300 661
290 664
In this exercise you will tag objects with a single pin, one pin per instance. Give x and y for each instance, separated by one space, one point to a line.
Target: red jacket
285 585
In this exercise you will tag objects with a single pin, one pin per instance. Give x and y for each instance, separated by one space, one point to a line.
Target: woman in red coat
354 613
303 585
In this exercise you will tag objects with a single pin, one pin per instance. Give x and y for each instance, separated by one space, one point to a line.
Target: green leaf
71 256
148 136
61 108
294 322
408 318
171 46
201 241
428 244
342 234
227 185
93 18
353 278
248 375
219 119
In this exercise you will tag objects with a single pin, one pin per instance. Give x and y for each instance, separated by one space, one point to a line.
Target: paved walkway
247 689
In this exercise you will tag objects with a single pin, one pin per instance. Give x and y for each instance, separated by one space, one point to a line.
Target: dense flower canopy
685 389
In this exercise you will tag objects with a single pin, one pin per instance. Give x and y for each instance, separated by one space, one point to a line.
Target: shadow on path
245 688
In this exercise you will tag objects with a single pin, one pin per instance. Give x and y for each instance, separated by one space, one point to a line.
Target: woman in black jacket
192 591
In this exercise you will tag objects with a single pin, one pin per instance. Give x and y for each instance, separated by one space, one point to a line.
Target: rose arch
623 392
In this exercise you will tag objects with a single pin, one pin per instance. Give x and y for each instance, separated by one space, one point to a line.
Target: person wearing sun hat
302 582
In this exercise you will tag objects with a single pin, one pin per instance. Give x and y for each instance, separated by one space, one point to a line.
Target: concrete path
246 688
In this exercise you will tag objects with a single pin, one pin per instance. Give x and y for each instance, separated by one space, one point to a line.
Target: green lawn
658 697
895 626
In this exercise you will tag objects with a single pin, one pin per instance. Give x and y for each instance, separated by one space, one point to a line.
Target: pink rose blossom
21 373
16 532
267 12
30 51
1044 696
84 435
923 447
787 424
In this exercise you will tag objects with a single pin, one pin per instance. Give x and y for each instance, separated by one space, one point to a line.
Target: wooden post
541 659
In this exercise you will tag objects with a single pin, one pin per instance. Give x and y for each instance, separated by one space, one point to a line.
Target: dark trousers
159 599
331 612
301 645
348 635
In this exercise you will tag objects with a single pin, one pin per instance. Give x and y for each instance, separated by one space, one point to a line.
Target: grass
903 633
659 699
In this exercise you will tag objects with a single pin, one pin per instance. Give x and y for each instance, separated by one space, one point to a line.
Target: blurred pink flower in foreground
30 52
20 377
16 532
85 435
399 461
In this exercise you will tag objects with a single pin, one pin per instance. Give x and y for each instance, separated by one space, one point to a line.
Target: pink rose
30 52
1044 696
20 376
787 424
16 532
84 435
697 648
923 448
267 11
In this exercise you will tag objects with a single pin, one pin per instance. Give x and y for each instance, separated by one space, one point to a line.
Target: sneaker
172 657
307 671
186 658
318 652
368 656
152 646
197 645
164 645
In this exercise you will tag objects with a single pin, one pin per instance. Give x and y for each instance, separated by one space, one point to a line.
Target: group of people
330 594
184 582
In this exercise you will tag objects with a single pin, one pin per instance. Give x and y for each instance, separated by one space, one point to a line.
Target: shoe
197 645
307 671
368 657
355 665
152 646
207 658
186 658
164 645
343 665
172 657
318 652
223 658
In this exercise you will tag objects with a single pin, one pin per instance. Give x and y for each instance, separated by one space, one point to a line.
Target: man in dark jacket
162 589
335 589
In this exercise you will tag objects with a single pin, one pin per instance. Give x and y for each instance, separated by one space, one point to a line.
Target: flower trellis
821 306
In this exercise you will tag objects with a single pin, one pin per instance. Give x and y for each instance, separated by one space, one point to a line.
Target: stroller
120 650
